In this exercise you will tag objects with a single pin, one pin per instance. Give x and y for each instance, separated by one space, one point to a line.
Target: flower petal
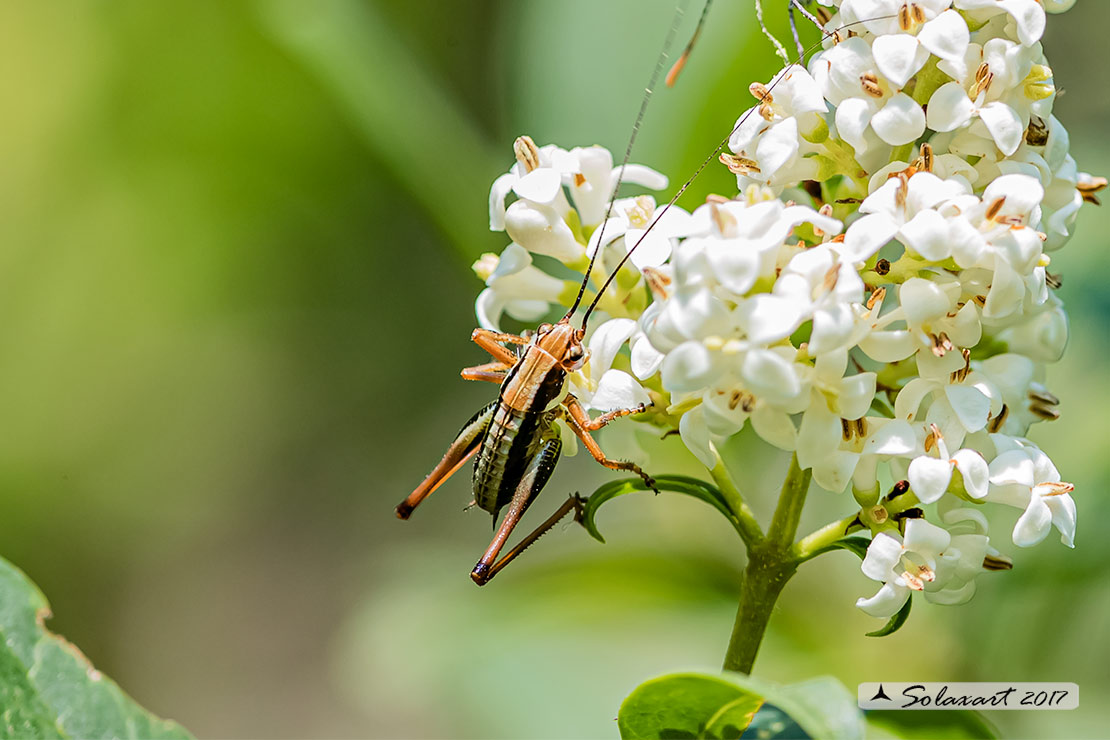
900 121
929 478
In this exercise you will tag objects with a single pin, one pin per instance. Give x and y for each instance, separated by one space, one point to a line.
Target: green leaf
48 689
895 622
692 705
683 484
928 724
684 705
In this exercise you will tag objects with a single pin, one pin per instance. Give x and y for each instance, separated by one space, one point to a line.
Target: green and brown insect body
515 440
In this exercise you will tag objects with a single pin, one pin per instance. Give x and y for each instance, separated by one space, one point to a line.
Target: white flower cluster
877 298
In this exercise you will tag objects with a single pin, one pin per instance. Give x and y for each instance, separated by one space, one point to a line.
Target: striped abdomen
510 442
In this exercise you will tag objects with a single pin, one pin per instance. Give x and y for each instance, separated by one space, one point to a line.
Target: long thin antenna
672 76
778 78
679 12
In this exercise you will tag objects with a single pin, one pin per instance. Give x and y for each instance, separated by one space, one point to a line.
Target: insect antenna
705 163
679 12
672 76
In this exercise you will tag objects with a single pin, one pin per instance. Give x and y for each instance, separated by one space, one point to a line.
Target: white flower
996 85
1024 477
930 476
652 233
514 286
772 134
865 99
927 559
598 385
1028 15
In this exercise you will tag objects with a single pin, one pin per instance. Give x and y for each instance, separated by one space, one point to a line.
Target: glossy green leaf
895 622
686 705
48 689
928 724
682 484
691 705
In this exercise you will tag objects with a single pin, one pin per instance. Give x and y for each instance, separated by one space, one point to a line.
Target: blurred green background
235 288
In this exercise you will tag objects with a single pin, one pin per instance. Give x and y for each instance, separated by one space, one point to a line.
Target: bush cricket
514 440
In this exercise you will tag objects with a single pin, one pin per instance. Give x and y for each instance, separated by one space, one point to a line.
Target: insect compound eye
575 357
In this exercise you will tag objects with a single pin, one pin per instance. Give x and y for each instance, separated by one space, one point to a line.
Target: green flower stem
833 531
825 536
771 563
750 531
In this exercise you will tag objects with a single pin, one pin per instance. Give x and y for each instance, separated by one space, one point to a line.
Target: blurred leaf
690 705
687 706
683 484
931 725
404 115
48 688
895 622
858 545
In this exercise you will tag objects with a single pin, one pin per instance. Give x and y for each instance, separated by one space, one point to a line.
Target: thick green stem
767 572
771 563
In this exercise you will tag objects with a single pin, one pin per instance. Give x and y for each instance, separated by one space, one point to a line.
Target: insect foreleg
491 341
491 372
461 450
574 503
533 480
595 449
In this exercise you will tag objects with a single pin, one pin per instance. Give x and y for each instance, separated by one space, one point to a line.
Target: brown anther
734 400
766 112
1037 132
903 188
995 423
997 562
526 153
1089 186
995 208
870 84
876 298
930 443
905 18
917 13
861 427
824 210
1043 404
832 276
823 14
714 198
846 429
747 403
926 157
579 179
838 239
760 92
979 300
657 283
960 375
882 267
1043 396
941 344
1056 488
739 165
1053 280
